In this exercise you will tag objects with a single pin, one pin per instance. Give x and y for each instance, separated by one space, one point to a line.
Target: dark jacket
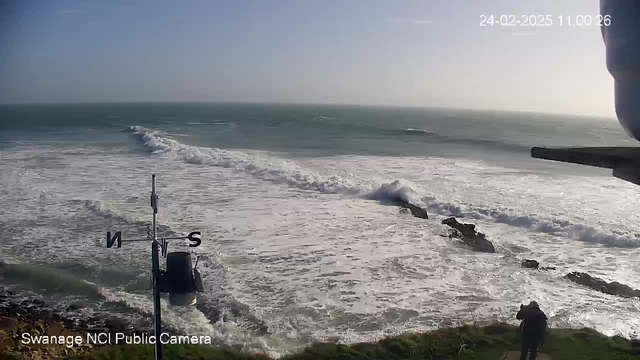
534 322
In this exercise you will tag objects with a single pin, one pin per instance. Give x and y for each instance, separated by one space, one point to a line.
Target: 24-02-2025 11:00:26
545 20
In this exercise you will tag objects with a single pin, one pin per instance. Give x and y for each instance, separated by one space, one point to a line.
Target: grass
464 343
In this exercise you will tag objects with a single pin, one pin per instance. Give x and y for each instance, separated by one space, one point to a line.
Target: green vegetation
466 342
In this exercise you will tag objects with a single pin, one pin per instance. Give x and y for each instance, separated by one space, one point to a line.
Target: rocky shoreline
468 234
33 316
478 242
611 288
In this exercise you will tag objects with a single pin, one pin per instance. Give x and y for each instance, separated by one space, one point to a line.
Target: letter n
117 238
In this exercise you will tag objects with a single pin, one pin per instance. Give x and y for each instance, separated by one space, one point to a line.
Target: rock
7 323
533 264
116 324
395 194
417 211
144 324
467 233
77 306
612 288
142 330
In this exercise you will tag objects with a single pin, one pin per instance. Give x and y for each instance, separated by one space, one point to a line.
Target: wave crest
419 131
99 208
287 172
562 227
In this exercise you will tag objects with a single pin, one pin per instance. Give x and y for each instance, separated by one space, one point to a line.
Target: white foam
192 322
319 264
562 227
423 131
263 167
290 173
99 208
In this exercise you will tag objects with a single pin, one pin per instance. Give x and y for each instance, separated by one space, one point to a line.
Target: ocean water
294 250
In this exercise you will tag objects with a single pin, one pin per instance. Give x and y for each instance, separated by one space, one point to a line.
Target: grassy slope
480 343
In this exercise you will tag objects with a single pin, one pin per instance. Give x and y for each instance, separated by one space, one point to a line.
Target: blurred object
625 161
622 42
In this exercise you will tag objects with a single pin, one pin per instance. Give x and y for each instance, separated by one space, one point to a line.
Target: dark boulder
395 194
533 264
75 306
468 234
611 288
415 210
115 324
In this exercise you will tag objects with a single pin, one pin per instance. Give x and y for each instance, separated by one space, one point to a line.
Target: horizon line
307 104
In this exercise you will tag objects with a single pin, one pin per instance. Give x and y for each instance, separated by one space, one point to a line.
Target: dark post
157 319
155 268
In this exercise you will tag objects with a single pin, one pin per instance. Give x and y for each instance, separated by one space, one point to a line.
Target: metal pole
155 265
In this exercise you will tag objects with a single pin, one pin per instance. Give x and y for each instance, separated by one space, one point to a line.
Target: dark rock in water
394 194
467 233
77 306
532 264
117 325
612 288
146 325
416 211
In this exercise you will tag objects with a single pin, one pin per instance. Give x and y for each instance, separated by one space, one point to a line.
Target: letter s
196 240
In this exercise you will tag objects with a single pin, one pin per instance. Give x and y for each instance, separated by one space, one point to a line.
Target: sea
295 249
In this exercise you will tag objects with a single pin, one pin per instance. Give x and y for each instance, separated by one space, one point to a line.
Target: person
534 327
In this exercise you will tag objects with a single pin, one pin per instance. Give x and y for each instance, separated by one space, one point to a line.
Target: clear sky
395 52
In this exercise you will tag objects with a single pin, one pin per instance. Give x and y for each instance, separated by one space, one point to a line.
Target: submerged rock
396 194
468 234
611 288
415 210
533 264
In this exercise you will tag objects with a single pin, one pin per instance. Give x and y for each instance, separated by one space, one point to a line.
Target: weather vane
180 280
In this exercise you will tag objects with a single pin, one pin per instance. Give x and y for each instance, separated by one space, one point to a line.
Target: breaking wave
262 167
566 228
419 131
99 208
287 172
447 139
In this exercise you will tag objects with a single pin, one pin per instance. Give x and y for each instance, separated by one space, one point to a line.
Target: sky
370 52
